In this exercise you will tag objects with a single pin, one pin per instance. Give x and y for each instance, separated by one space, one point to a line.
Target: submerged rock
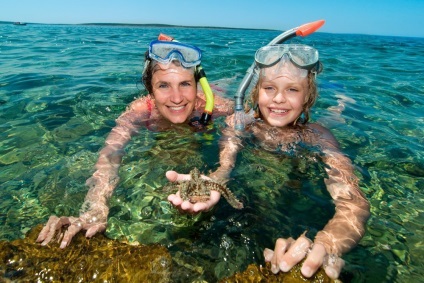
255 273
98 259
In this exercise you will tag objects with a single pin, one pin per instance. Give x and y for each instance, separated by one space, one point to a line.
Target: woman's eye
186 84
163 86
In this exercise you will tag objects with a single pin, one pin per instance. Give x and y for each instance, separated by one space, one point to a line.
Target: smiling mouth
278 111
176 108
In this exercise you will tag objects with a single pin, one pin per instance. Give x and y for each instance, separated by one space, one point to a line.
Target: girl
279 106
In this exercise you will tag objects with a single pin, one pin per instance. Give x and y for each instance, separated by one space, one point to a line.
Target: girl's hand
187 206
288 253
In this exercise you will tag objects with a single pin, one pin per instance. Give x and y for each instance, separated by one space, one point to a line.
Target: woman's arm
94 211
229 144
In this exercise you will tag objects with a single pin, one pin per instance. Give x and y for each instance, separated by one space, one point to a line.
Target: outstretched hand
94 221
185 205
288 253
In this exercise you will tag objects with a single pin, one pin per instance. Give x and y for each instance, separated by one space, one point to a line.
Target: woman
280 105
170 76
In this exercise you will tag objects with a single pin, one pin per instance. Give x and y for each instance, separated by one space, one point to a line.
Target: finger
268 254
334 266
295 254
55 225
69 234
173 176
45 231
95 229
175 200
186 205
281 247
200 206
314 260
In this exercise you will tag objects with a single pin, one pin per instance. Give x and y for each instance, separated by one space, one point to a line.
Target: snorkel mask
274 53
292 59
165 50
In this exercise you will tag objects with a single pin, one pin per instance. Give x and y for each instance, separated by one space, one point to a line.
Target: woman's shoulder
142 104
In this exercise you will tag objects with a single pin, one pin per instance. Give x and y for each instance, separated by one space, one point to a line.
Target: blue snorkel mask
165 51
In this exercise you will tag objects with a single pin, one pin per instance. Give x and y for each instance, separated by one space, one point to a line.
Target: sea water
63 86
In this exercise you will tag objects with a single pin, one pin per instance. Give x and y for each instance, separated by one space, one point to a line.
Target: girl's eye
292 89
268 88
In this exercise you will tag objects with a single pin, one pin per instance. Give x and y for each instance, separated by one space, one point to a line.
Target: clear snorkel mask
252 73
293 60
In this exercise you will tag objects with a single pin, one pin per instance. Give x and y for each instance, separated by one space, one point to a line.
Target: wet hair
150 67
311 97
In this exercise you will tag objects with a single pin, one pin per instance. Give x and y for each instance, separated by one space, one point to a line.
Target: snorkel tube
207 113
197 122
252 73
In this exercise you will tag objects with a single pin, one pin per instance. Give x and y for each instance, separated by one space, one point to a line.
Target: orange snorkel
252 72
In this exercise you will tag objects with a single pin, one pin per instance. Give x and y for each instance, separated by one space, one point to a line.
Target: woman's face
281 96
175 92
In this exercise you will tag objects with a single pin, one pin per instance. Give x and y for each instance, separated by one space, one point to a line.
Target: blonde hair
311 97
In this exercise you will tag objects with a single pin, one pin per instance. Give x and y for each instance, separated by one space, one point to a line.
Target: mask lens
302 56
165 52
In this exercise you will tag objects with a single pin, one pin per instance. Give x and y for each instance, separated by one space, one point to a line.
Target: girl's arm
342 232
347 227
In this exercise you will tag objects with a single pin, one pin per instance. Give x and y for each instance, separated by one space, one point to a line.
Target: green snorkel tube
252 73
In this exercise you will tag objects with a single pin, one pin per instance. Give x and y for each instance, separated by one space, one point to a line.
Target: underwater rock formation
255 273
98 259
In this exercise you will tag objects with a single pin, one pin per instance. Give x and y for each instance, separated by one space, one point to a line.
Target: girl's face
175 92
281 97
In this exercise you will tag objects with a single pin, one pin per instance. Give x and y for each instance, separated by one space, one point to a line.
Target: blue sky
378 17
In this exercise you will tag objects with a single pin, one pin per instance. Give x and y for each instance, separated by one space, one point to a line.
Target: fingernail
284 266
63 245
306 271
274 269
331 273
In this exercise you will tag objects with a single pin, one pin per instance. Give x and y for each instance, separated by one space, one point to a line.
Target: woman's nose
176 96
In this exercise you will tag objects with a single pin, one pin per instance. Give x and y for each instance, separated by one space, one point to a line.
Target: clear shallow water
62 87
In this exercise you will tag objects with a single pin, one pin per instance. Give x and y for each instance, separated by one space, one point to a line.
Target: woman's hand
185 205
94 220
288 253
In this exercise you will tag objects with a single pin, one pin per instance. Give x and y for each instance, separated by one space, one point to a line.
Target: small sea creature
198 189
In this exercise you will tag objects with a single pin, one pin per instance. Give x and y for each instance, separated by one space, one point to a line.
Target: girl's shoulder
323 134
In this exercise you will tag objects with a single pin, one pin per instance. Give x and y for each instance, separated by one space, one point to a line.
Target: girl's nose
279 97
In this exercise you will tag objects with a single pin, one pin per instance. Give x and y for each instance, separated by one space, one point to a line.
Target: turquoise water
62 87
